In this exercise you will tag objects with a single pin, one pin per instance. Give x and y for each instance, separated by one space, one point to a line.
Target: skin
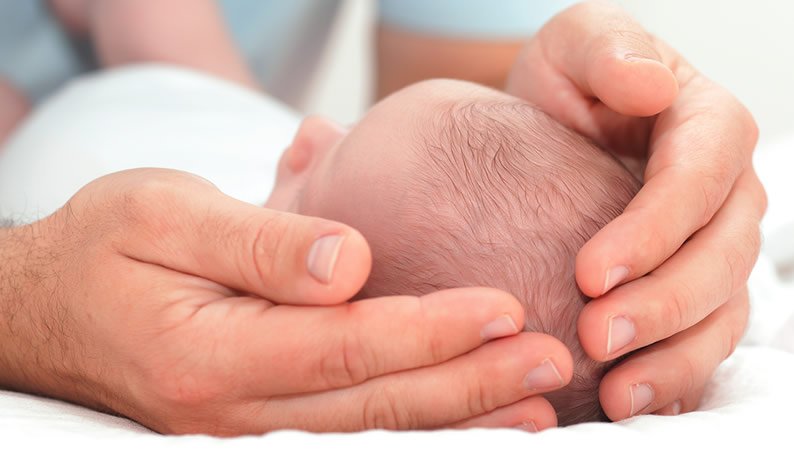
599 92
143 309
691 236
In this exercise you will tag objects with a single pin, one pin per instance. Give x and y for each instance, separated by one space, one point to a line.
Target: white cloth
166 117
147 116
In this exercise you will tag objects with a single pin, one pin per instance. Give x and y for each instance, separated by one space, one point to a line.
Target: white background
744 45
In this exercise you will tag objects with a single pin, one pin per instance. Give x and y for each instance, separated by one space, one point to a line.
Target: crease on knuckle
677 307
267 247
479 400
348 365
712 192
739 258
655 244
381 410
729 343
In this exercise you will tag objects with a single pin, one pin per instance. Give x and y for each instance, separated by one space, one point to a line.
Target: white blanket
170 118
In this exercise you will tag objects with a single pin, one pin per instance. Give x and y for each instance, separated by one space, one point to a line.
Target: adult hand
681 252
145 296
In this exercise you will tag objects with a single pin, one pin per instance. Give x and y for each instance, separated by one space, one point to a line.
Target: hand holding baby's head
457 185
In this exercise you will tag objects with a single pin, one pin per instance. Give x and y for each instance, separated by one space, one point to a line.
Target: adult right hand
145 296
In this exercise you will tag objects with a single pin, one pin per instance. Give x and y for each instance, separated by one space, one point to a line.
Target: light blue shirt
281 39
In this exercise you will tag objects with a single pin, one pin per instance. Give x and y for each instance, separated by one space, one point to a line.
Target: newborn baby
457 185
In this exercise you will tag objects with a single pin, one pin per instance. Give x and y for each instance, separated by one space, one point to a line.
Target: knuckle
137 201
655 244
731 340
382 410
183 392
271 247
348 365
740 257
479 400
712 189
676 309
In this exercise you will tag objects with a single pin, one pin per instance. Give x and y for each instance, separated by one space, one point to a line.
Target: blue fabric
281 39
484 19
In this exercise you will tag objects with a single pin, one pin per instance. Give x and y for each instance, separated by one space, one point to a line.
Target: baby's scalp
501 195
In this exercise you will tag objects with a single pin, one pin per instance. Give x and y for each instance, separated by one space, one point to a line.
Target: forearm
14 374
189 33
37 340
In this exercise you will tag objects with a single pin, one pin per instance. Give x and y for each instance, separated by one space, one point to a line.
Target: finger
671 409
531 415
187 225
694 166
700 277
490 377
598 50
302 349
689 402
676 369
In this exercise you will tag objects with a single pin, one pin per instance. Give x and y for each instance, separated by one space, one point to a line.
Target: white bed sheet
166 117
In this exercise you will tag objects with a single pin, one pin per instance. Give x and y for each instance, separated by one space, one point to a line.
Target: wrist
14 329
37 336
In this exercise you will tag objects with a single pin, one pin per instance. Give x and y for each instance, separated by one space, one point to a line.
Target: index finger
695 163
291 349
594 50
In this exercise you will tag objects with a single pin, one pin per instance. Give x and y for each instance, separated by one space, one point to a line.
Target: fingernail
498 328
322 257
527 426
544 376
615 275
641 397
620 333
676 408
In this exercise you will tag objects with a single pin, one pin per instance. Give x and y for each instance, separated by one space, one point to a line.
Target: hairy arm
15 341
39 346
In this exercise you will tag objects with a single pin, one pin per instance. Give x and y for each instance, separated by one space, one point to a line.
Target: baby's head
457 185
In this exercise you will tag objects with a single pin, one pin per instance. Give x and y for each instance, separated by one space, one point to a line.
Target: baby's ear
314 138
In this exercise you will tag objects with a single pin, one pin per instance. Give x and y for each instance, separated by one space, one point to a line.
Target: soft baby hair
504 196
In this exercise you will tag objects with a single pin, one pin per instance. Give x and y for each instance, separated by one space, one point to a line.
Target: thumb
185 224
610 56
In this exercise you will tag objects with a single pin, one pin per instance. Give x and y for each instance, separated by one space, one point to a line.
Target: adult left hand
670 273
